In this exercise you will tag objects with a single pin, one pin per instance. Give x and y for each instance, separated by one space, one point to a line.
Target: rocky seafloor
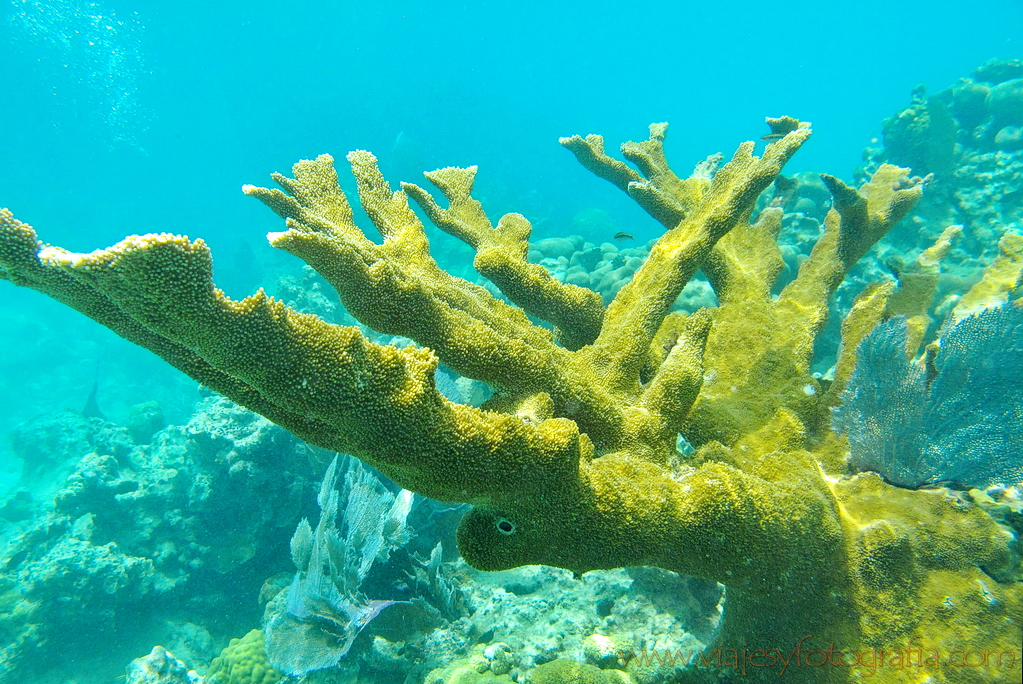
178 536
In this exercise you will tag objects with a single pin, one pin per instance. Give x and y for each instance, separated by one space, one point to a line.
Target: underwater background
120 118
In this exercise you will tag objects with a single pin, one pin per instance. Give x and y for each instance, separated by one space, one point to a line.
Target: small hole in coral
505 526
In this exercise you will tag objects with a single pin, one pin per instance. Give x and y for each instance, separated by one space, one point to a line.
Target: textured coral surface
573 461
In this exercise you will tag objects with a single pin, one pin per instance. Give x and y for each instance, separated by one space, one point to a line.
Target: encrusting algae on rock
573 461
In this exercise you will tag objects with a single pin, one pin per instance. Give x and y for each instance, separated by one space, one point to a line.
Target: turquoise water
121 118
124 118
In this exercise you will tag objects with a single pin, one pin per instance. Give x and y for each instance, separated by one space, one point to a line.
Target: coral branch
326 383
658 190
782 333
577 313
397 287
636 313
573 461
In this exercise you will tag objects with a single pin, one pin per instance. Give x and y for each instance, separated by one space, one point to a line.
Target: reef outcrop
573 462
139 536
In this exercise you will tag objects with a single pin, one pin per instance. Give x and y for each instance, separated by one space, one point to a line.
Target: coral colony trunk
573 462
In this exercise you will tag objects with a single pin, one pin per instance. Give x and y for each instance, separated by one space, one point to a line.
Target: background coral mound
125 534
566 671
969 136
573 461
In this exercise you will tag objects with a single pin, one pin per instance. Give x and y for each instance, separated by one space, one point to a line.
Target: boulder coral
243 661
573 461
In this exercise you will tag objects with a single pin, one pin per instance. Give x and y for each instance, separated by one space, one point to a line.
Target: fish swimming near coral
669 343
621 237
91 408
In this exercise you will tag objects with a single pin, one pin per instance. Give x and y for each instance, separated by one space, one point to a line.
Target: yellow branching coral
1000 278
573 462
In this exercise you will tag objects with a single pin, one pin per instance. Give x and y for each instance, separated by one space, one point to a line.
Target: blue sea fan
883 406
965 430
326 608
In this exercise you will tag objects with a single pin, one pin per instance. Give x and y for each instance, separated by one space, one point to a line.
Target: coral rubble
160 667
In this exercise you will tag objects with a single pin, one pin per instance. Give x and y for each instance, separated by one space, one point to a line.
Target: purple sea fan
964 430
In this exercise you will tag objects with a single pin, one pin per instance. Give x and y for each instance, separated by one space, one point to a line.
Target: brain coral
243 661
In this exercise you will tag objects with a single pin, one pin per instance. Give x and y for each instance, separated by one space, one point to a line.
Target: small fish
623 236
669 343
773 136
91 409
